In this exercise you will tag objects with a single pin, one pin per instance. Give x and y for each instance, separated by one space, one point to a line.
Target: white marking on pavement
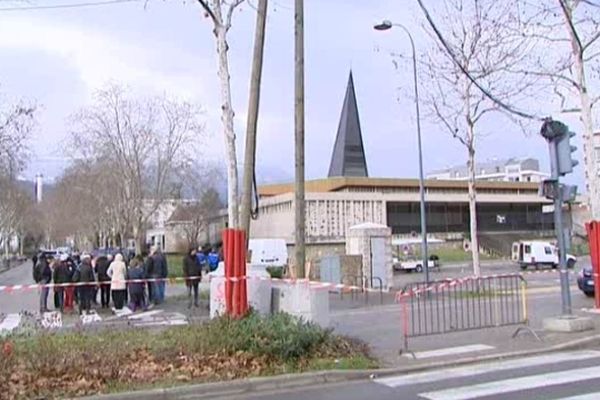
588 396
468 371
514 384
10 322
145 314
450 351
122 312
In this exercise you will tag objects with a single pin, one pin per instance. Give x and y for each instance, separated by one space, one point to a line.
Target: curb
292 381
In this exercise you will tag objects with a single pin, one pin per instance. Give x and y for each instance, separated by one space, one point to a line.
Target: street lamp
384 26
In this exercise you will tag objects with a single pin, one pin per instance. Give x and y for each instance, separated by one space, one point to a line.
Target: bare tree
568 33
16 125
478 40
13 211
145 142
221 13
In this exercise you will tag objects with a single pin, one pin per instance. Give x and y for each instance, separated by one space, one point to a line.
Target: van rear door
515 252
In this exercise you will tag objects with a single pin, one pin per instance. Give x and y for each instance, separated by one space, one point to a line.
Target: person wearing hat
60 276
85 275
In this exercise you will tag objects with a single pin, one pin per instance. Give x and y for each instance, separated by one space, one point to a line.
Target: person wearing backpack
61 276
42 275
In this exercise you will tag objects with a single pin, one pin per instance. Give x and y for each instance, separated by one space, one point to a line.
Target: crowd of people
104 273
109 274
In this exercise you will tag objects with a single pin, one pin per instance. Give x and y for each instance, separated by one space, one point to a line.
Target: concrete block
568 324
302 300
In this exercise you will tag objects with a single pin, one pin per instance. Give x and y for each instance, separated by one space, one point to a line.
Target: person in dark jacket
60 276
160 271
70 290
85 275
149 272
43 275
192 272
136 290
102 264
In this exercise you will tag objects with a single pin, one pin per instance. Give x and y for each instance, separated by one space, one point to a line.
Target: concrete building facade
333 205
509 170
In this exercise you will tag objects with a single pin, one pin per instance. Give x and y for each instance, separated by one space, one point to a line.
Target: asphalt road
17 301
567 376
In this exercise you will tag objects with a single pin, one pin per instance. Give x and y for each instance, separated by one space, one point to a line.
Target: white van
538 253
268 252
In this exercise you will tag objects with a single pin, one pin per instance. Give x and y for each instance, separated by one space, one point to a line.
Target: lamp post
384 26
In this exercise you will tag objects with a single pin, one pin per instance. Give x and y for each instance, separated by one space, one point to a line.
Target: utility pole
252 122
299 139
558 136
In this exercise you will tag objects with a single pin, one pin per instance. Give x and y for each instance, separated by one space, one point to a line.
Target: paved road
566 376
21 300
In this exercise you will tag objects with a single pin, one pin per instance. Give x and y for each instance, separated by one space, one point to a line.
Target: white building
511 170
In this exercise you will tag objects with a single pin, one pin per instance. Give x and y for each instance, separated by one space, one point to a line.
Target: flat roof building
507 170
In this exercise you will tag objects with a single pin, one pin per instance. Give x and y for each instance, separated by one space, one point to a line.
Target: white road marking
168 319
122 312
514 384
10 322
468 371
450 351
588 396
145 314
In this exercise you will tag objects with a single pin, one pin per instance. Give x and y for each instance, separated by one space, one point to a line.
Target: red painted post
243 273
228 255
594 242
236 273
596 264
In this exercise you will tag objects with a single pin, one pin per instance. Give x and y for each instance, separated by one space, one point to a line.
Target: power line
68 5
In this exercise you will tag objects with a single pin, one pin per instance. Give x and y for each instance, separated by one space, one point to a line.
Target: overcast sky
59 57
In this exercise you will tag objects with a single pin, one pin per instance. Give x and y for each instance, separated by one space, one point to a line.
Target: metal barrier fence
462 305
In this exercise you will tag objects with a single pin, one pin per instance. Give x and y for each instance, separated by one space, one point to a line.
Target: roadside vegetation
78 363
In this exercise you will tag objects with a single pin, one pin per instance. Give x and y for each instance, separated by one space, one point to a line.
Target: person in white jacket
117 271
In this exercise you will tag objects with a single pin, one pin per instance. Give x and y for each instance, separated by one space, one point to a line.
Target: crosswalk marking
468 371
588 396
514 385
450 351
10 322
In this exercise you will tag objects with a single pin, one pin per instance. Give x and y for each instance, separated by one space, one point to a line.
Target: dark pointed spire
348 158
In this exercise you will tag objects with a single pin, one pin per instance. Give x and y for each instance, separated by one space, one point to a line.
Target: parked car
585 281
538 254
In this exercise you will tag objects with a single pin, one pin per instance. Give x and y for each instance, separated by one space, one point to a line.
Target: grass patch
451 255
83 363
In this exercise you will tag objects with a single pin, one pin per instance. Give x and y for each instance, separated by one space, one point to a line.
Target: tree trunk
21 239
228 128
588 138
473 205
140 239
252 122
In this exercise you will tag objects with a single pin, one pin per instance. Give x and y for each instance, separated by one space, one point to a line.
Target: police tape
175 280
314 284
450 283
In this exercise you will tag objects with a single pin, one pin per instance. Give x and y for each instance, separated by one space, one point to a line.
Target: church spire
348 158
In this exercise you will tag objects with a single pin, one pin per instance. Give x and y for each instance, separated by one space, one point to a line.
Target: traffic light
563 153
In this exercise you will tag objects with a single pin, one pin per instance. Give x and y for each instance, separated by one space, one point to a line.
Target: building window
528 179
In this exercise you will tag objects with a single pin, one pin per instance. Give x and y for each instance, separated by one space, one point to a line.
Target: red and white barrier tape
314 284
400 295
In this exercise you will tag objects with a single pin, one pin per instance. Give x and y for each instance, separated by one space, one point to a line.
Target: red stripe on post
236 273
228 254
244 273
